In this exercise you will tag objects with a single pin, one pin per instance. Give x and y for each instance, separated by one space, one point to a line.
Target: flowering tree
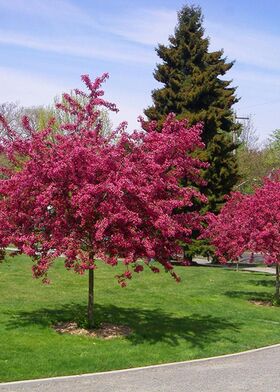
250 222
87 196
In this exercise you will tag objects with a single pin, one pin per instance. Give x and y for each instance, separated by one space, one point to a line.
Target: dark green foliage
193 89
222 174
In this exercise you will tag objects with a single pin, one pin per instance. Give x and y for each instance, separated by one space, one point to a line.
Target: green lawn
207 314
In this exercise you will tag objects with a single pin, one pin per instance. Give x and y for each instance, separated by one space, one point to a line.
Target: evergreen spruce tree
193 89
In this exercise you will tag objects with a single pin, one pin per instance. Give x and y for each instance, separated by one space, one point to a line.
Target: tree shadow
263 282
249 295
148 325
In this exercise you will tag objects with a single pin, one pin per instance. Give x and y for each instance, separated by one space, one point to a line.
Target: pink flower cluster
84 195
249 222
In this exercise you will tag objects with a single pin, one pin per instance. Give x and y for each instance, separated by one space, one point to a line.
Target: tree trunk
277 285
90 298
237 265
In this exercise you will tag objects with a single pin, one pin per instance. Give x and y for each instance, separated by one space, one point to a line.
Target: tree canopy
249 223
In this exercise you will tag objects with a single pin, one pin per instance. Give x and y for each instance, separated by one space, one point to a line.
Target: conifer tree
193 89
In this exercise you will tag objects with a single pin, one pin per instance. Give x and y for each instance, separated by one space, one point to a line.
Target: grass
207 314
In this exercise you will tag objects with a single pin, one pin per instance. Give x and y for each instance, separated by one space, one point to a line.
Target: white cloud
246 46
147 26
263 78
109 37
144 26
51 9
86 47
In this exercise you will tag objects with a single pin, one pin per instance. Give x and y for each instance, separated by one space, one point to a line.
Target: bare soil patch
261 302
105 331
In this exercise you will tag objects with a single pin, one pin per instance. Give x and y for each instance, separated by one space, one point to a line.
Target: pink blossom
138 268
249 223
84 195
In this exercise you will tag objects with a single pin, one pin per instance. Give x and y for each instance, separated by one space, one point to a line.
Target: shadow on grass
148 325
250 295
263 282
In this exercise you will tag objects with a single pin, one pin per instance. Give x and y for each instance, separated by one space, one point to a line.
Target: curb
59 378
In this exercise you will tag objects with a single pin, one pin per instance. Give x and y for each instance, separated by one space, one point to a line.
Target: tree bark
277 284
90 298
237 265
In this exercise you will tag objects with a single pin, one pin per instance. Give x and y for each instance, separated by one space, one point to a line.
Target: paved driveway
256 371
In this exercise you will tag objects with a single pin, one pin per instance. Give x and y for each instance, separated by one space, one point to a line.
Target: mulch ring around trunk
105 330
261 302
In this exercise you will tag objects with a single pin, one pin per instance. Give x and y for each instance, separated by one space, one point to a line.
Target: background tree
250 158
274 140
256 161
39 116
62 117
272 151
13 113
194 88
248 136
87 195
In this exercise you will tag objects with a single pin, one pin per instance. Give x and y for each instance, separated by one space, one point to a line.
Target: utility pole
234 133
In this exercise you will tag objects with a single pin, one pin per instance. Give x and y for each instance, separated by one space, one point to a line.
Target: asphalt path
256 371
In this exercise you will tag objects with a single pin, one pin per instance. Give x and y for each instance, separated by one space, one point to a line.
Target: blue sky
47 44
